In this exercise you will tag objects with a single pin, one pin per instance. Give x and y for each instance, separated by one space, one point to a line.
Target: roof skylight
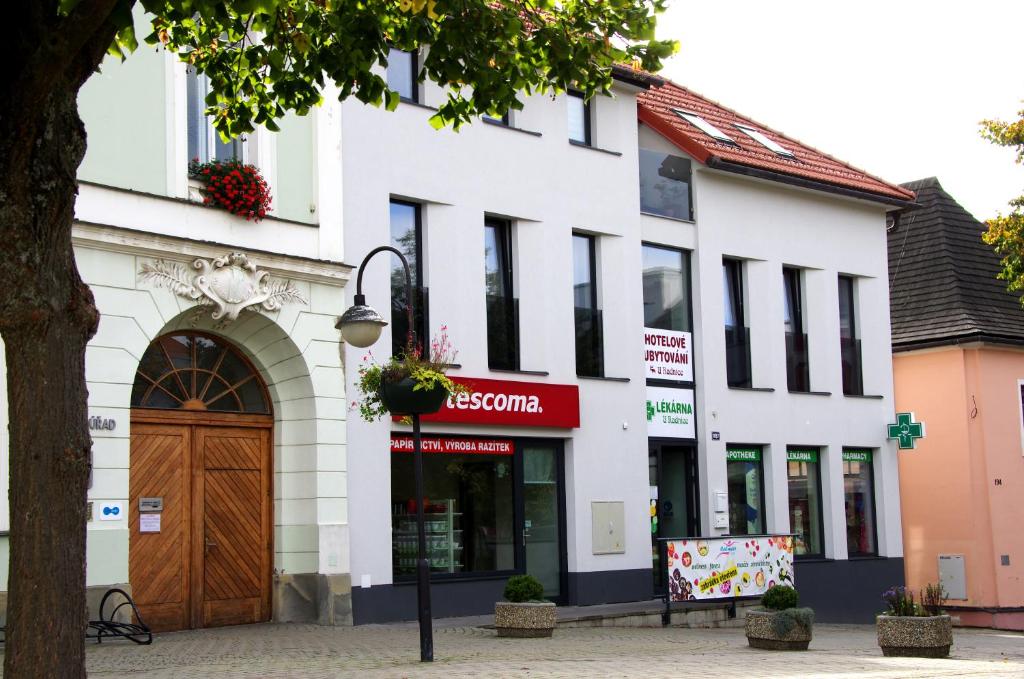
764 141
704 126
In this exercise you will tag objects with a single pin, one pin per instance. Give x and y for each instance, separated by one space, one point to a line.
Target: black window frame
687 277
874 505
588 135
689 183
737 344
596 319
760 476
849 345
421 315
821 503
798 372
503 350
414 69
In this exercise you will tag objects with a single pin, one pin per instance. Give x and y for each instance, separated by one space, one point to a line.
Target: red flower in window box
230 185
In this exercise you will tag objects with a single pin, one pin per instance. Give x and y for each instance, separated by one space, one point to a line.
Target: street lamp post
361 326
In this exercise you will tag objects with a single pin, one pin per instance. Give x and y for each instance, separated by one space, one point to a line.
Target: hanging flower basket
230 185
403 398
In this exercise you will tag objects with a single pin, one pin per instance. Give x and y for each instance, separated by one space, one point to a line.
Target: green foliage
931 598
780 597
785 620
522 588
266 57
1006 233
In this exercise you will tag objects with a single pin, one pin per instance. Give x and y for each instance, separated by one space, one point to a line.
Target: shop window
666 282
589 330
204 144
579 119
737 335
746 490
407 236
803 471
665 185
859 484
853 380
798 375
402 71
502 305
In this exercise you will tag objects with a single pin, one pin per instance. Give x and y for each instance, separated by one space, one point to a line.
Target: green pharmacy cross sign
906 430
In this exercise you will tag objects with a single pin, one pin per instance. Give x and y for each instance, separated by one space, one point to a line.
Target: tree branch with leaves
1006 232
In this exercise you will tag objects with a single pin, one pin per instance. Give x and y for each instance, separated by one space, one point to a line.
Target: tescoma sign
670 413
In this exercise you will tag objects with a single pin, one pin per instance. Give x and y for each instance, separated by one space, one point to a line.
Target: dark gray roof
942 278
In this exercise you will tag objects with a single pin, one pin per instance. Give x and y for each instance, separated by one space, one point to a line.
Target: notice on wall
149 523
719 568
670 413
668 355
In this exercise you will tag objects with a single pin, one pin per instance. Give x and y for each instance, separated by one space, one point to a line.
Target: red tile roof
655 109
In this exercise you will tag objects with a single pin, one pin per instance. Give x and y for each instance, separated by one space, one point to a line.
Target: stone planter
777 630
928 637
525 620
401 398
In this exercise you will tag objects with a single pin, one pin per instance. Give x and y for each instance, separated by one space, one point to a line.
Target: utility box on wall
952 575
608 536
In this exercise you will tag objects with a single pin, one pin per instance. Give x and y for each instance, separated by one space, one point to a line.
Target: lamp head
360 325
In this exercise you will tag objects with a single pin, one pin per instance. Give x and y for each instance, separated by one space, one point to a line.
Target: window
666 288
849 345
505 120
403 70
502 306
579 119
746 490
737 336
764 141
704 126
803 471
204 144
798 374
859 484
665 185
589 337
406 236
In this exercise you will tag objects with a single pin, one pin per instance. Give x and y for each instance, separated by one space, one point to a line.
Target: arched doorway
200 491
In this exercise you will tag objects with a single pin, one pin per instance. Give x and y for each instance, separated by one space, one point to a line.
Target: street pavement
310 651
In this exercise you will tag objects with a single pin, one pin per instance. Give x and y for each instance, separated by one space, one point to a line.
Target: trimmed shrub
779 598
522 588
789 618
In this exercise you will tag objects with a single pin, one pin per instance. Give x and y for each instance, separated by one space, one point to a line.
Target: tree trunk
46 317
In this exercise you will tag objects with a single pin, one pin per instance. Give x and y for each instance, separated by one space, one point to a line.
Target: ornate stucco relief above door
229 284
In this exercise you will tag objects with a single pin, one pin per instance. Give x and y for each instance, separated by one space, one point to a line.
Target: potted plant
233 186
525 613
408 384
780 625
912 629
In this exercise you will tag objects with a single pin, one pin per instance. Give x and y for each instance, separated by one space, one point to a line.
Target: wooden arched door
200 486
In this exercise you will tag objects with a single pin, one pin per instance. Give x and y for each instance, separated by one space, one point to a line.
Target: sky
894 88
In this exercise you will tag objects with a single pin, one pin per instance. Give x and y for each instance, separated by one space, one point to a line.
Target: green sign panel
743 454
905 430
856 456
802 454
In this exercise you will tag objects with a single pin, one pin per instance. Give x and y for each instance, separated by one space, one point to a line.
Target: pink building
958 362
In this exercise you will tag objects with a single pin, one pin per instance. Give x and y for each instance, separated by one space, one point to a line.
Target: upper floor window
665 185
502 306
737 336
204 144
849 344
579 119
589 335
666 288
798 375
403 68
407 236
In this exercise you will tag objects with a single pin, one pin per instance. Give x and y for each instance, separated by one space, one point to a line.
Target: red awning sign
517 404
436 444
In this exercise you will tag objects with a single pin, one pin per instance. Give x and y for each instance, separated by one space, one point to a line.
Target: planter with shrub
525 614
780 625
914 629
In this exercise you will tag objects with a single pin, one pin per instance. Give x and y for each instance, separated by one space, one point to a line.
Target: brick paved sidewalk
309 651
